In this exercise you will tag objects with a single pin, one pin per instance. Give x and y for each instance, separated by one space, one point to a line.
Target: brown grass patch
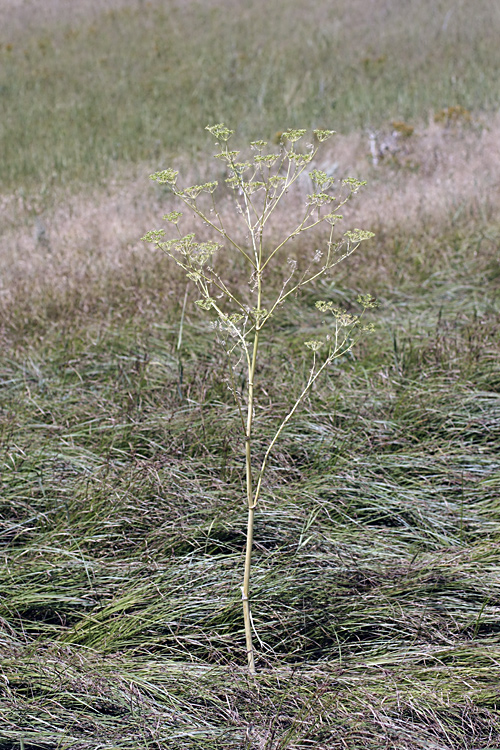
86 255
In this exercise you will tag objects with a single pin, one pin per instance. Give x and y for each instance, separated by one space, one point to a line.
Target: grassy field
376 584
83 92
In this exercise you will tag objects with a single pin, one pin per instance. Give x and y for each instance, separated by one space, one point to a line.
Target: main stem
250 498
251 508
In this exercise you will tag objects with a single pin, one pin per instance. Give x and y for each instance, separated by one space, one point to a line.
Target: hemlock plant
259 186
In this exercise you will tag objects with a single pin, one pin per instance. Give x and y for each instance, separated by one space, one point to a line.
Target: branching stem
241 318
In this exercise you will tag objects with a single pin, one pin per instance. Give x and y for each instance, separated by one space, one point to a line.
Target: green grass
376 583
136 85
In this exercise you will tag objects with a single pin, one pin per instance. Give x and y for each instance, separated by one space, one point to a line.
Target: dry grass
89 244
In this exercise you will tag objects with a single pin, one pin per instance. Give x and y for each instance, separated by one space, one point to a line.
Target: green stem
245 592
248 460
251 505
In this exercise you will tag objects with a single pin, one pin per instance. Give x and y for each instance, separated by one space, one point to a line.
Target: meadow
376 580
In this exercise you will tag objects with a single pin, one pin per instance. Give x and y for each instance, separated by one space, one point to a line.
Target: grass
122 517
81 97
376 575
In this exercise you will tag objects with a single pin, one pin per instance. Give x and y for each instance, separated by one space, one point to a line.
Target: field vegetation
376 584
86 91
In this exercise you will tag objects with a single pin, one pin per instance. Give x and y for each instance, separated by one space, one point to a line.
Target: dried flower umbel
260 184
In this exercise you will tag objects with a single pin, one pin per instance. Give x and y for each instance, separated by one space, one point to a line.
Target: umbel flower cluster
259 184
268 177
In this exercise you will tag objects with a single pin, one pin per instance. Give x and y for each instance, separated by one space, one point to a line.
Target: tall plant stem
245 592
251 507
250 499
